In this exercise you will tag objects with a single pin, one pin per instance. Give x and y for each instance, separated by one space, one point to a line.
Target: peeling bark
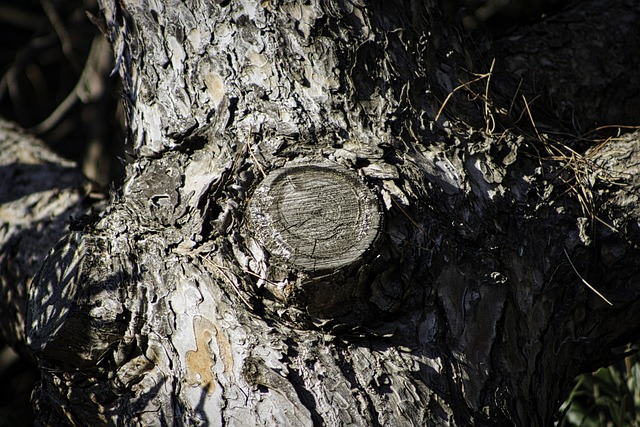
470 307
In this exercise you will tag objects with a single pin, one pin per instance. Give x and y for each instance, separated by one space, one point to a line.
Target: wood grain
316 217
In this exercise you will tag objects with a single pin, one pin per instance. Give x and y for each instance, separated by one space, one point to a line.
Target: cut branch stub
316 217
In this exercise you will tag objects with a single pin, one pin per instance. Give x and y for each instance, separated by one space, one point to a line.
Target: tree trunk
343 214
39 192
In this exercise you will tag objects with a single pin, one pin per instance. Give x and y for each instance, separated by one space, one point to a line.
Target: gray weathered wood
322 220
317 217
470 306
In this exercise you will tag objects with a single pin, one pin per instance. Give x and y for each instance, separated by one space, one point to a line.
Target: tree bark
331 220
39 192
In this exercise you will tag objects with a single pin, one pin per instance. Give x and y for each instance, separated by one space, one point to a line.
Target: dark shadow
18 180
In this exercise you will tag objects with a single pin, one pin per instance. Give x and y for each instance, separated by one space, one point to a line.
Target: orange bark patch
200 362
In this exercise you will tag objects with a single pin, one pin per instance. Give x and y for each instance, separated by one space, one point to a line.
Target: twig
264 175
490 122
413 221
61 32
223 274
584 281
513 100
88 88
463 85
533 123
615 127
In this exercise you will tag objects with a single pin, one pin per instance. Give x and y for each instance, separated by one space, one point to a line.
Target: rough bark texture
39 191
472 307
583 84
